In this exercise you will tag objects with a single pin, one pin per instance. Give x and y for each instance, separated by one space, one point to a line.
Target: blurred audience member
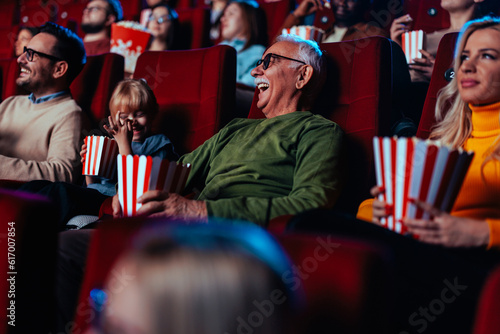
163 24
216 10
349 20
40 134
214 274
24 35
460 12
243 26
97 19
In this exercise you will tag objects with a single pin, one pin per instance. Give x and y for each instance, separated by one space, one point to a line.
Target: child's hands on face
121 130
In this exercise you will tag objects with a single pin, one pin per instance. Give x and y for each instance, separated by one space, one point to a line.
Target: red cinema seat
8 36
440 76
357 96
92 88
27 254
346 283
195 90
131 9
9 13
70 16
195 27
37 15
487 319
108 242
276 12
427 15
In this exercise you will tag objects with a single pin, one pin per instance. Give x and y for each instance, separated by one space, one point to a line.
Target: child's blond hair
133 94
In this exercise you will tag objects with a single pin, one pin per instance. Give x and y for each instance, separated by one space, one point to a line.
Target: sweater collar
485 120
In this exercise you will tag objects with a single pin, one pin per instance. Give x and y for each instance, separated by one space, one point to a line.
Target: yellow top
479 196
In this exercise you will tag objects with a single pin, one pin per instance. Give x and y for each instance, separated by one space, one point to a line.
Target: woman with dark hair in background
243 26
163 24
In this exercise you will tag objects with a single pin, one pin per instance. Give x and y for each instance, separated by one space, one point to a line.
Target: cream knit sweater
40 141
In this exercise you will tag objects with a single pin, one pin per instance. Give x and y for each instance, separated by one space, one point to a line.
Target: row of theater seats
194 27
194 17
197 100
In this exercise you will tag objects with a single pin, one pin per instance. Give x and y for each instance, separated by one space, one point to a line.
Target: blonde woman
473 122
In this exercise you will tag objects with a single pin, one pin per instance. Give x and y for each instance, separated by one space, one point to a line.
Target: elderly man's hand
157 203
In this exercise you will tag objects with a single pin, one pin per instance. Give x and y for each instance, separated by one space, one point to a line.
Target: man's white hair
309 52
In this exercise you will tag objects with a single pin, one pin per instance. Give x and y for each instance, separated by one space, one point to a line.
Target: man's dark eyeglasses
30 53
267 59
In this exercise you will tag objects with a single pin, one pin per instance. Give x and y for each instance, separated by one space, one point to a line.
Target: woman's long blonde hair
453 115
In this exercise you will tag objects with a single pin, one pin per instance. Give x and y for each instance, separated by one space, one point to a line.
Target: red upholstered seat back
10 72
276 12
36 14
427 15
28 240
444 61
70 16
93 87
346 283
357 96
131 9
8 37
9 13
195 90
195 27
487 319
107 243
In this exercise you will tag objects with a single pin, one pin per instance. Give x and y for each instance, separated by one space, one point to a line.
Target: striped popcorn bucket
412 42
100 159
305 32
139 174
419 169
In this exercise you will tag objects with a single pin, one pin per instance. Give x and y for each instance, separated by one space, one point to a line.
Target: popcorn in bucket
419 169
129 39
412 42
139 174
100 159
305 32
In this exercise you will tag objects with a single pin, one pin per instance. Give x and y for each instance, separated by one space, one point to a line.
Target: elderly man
258 169
40 134
97 19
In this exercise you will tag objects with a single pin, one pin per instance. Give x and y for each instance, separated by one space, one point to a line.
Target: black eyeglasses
159 20
30 53
267 59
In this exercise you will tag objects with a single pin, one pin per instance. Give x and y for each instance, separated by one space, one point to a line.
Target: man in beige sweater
40 133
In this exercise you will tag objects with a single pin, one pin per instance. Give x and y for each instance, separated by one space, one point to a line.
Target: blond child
132 107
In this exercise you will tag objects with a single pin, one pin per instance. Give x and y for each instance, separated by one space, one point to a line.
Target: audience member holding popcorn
474 124
349 20
259 169
132 107
460 12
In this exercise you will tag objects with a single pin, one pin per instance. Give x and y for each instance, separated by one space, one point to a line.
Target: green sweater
258 169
